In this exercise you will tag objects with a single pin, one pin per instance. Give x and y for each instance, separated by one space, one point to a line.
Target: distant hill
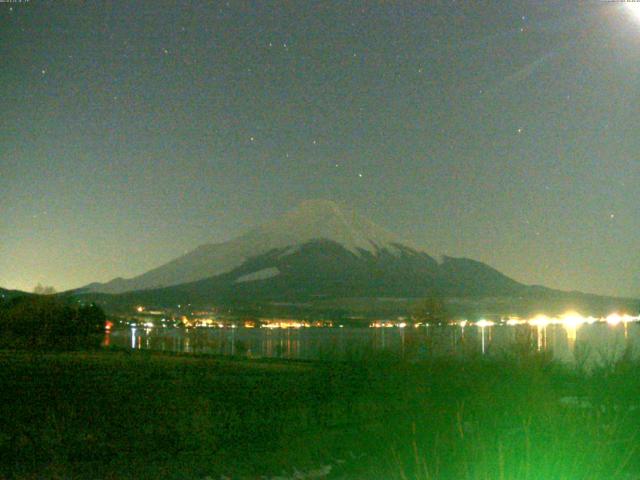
8 294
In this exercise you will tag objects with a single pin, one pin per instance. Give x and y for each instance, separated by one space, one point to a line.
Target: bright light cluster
568 319
484 323
284 324
616 318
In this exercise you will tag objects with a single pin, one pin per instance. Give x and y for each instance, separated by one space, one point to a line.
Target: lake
570 343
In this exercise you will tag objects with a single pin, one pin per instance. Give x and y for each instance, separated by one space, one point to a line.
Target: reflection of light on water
572 334
133 337
571 321
233 341
483 325
288 343
626 330
541 329
463 324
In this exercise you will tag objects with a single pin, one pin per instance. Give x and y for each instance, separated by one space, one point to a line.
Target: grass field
112 414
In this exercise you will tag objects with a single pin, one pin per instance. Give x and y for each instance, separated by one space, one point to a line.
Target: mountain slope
323 269
324 278
311 220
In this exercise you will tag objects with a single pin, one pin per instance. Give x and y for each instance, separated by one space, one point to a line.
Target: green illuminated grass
143 415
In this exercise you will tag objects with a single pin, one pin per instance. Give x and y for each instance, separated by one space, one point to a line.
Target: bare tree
41 290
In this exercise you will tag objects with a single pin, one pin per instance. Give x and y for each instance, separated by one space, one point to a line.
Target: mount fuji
315 250
311 220
318 257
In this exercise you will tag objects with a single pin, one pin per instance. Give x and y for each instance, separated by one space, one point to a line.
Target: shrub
45 322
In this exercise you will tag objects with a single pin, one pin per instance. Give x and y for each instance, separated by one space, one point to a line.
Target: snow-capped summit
323 219
309 221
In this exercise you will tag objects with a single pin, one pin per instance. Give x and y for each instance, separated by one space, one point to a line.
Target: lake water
597 341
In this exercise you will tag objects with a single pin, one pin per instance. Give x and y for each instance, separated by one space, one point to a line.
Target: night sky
508 132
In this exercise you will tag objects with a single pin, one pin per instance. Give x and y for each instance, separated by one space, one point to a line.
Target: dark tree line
430 310
46 322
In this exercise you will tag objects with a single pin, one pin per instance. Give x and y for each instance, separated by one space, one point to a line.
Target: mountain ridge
323 268
7 294
310 220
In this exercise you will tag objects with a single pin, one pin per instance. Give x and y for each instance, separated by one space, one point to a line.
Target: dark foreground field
143 415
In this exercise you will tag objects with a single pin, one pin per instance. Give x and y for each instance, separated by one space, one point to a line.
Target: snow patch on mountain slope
259 275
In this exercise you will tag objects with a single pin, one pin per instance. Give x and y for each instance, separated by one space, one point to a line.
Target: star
520 130
43 71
